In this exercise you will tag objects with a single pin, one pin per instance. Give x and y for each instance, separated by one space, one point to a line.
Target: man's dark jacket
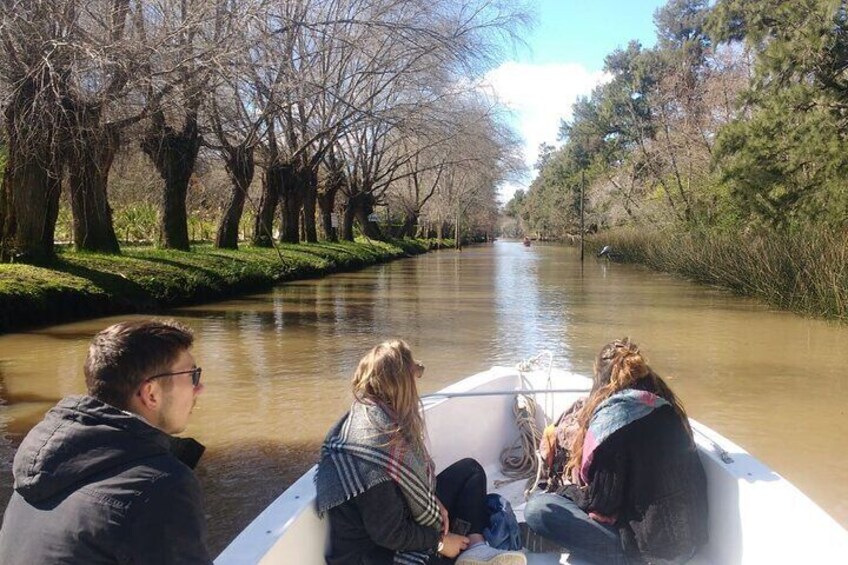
96 485
649 476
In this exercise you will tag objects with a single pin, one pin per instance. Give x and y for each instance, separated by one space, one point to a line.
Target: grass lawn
146 279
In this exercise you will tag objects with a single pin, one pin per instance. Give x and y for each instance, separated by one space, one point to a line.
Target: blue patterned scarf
620 409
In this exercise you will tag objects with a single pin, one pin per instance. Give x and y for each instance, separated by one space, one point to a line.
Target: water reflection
277 365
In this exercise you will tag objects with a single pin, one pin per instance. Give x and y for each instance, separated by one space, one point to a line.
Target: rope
521 460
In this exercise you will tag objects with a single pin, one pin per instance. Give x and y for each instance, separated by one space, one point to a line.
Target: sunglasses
195 375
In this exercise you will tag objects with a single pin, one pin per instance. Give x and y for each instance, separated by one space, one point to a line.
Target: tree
784 160
191 37
485 154
32 66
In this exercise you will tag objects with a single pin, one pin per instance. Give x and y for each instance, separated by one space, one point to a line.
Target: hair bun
635 365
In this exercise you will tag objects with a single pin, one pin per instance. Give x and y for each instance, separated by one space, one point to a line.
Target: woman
638 491
375 479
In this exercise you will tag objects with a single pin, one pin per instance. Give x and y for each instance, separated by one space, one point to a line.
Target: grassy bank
805 272
144 279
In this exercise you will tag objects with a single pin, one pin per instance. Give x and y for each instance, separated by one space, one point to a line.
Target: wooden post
582 231
457 244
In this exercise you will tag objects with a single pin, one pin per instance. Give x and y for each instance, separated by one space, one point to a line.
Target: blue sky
563 59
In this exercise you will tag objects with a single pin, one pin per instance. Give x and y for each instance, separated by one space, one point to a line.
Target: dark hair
122 356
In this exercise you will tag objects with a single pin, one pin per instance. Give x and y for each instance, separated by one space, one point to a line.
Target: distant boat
526 242
756 516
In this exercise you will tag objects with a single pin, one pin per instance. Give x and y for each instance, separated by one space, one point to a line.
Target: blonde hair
619 365
386 376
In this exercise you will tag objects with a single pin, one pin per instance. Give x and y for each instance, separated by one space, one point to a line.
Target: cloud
540 96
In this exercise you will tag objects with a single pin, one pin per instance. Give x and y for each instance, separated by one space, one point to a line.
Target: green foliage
786 165
729 172
136 222
64 224
685 133
513 208
551 208
785 161
201 227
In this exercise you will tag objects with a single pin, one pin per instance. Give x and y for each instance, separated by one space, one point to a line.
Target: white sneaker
482 554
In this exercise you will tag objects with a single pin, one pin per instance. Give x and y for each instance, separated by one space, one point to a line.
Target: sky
563 59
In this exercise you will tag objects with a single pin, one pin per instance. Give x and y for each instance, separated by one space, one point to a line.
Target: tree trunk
409 227
348 218
310 197
327 202
5 214
263 231
31 185
364 207
88 176
291 200
240 167
174 154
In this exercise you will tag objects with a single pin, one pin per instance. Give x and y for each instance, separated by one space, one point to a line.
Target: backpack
555 448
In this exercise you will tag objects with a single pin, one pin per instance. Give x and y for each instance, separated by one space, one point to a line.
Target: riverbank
144 279
804 272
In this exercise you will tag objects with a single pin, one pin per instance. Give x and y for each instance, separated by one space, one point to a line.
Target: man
96 481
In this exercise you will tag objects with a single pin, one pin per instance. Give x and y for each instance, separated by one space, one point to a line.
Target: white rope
521 460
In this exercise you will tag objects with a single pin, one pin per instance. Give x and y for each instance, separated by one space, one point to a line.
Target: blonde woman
376 480
639 491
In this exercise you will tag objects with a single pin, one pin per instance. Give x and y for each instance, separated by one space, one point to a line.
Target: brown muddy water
276 365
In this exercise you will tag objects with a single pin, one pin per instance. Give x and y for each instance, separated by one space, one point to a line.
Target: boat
526 242
755 515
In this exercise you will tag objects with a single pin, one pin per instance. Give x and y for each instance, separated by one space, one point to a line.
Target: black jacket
369 528
96 485
650 478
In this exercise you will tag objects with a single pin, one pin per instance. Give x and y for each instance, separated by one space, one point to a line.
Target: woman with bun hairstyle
376 479
637 491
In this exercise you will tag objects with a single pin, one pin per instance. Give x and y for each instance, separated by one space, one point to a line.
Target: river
277 365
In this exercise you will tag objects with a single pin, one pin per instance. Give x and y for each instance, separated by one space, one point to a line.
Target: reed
803 271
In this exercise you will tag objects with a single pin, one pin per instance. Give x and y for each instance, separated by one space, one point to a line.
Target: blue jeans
559 519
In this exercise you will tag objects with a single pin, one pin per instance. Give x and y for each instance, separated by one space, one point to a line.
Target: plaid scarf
620 409
356 456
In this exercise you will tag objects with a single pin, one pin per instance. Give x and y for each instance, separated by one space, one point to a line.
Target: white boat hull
756 516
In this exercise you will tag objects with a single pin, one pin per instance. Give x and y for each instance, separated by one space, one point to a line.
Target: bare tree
490 156
33 64
353 86
91 92
192 39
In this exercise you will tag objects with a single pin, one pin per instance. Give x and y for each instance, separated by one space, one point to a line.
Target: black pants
462 489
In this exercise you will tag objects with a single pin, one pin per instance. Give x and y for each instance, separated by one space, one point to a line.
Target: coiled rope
521 459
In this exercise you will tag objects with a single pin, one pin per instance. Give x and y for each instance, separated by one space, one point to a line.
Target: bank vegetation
147 279
719 153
